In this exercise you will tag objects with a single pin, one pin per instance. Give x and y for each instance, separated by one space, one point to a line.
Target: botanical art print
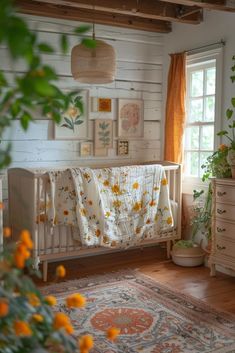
74 122
103 133
130 118
104 104
123 147
86 149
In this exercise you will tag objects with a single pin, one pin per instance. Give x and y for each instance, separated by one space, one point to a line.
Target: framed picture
123 147
101 105
86 149
74 123
130 118
103 134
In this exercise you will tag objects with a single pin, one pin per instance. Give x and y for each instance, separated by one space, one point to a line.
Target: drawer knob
219 211
220 230
219 193
220 247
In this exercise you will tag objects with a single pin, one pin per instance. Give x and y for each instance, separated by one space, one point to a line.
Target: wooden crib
27 195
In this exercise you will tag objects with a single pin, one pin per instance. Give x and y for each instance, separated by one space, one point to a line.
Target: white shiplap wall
139 75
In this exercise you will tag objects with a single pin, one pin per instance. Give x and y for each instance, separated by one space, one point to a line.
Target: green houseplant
231 125
189 253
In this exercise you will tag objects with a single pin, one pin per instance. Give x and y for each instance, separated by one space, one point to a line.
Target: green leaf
3 81
89 43
25 119
78 122
78 104
222 133
64 43
15 108
69 122
43 87
229 113
82 29
233 101
45 48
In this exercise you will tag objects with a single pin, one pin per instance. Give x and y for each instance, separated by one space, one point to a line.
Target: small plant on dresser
230 135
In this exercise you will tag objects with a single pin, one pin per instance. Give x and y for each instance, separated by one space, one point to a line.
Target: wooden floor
217 291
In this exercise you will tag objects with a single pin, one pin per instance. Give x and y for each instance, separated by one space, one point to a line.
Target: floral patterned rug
152 317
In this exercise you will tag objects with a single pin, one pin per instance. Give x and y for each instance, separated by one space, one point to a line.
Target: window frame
200 59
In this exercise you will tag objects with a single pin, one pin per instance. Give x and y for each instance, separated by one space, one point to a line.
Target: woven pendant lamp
97 65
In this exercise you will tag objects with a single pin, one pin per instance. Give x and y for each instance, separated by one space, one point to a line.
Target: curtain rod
220 43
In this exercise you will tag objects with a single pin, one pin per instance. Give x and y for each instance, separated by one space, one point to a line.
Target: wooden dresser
223 224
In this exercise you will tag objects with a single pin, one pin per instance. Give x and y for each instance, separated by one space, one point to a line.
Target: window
202 105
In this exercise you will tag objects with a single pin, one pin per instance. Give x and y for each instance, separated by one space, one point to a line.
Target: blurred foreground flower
26 317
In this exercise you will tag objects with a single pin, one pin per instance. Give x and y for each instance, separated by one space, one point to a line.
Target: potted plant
231 125
188 252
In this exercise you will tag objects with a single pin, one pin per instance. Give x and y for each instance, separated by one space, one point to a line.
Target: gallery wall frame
74 125
130 118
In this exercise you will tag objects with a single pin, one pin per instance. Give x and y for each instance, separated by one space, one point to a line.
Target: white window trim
189 182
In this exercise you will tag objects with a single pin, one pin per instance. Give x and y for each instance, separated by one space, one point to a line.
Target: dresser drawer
224 247
225 211
224 193
226 229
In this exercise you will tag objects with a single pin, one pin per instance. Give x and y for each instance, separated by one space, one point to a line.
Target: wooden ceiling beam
151 9
220 5
40 8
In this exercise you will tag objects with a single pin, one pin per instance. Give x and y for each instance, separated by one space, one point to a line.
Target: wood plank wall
139 75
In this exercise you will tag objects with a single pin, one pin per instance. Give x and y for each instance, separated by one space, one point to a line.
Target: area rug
152 318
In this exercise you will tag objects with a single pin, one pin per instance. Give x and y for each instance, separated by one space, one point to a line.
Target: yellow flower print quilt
112 207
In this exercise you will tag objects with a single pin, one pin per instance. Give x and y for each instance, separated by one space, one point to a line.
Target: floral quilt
112 207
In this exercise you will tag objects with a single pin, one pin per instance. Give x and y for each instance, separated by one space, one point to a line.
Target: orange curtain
175 108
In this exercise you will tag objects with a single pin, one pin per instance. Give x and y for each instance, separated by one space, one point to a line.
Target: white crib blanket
112 207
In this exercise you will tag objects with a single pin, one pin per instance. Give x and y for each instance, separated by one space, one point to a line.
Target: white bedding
112 207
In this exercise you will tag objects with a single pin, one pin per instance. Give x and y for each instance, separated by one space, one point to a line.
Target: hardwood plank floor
218 291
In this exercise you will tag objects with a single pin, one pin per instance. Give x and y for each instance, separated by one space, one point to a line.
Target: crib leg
44 270
168 249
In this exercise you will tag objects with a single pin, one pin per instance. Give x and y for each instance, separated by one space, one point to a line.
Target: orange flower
106 183
76 300
169 220
50 300
148 221
116 189
164 181
38 318
19 260
22 328
4 307
90 203
117 203
62 321
86 176
86 343
7 232
66 212
152 203
33 299
21 255
83 211
137 206
135 185
97 232
112 333
223 147
26 239
60 271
